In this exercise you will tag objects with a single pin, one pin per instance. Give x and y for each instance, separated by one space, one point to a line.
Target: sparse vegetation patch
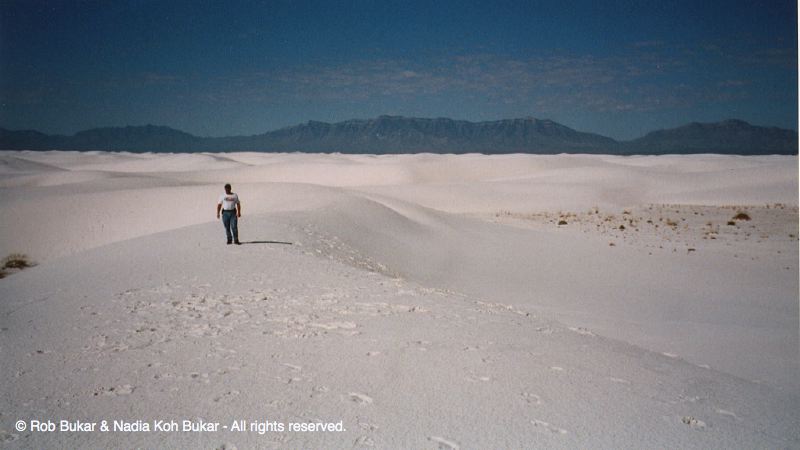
728 224
14 263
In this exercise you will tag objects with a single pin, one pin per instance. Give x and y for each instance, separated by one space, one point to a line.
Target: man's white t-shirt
229 201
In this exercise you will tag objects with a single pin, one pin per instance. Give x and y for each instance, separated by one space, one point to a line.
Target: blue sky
230 68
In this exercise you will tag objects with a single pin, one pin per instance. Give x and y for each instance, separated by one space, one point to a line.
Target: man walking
231 211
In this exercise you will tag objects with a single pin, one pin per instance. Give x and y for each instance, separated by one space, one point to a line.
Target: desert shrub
14 262
562 222
17 261
741 215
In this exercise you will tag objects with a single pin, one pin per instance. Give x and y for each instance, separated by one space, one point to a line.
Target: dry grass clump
562 222
15 262
741 215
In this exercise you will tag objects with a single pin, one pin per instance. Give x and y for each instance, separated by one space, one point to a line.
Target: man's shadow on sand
266 242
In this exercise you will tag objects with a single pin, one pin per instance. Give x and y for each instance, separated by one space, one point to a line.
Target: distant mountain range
394 134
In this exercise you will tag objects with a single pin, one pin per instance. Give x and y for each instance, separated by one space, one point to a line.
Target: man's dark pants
231 224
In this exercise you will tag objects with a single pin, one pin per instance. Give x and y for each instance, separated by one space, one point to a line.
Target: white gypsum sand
425 301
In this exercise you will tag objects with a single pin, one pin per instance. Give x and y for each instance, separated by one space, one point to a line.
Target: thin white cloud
648 78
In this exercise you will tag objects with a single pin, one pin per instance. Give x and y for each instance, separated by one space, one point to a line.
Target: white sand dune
425 301
132 162
10 165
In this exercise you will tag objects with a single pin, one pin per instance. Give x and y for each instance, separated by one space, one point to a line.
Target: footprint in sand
125 389
420 344
8 437
368 426
694 423
363 441
361 399
531 398
543 426
165 375
226 396
334 325
478 378
444 444
582 331
202 377
318 390
293 367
